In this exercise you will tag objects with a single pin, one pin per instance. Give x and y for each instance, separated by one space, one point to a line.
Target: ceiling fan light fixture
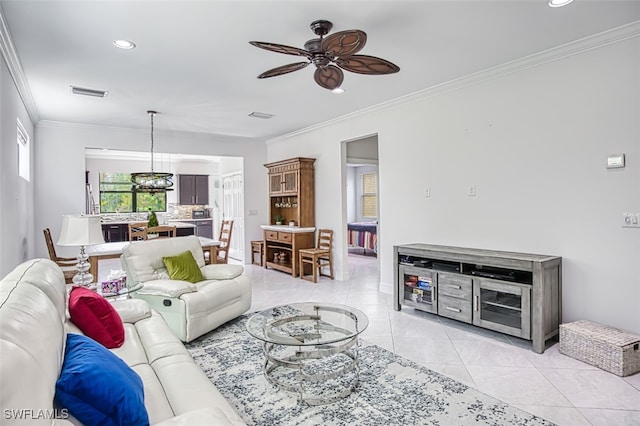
330 55
124 44
152 181
559 3
338 91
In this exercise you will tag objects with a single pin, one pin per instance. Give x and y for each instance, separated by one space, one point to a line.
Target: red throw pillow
96 317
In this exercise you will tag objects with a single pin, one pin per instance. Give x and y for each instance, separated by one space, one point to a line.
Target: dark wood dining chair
225 239
138 231
67 264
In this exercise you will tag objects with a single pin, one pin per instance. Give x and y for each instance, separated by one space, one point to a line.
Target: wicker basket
602 346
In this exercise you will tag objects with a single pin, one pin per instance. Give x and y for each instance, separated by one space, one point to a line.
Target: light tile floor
550 385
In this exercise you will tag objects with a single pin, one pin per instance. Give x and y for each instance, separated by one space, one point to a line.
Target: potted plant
153 219
279 219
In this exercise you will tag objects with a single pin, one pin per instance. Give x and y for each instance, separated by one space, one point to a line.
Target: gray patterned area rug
392 390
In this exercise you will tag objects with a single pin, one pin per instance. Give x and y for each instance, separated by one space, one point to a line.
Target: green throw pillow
183 267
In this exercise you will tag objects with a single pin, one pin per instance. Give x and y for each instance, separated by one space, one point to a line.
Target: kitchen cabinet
203 228
291 191
114 232
193 189
185 231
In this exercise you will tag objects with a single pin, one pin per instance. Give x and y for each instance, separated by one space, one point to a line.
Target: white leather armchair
191 310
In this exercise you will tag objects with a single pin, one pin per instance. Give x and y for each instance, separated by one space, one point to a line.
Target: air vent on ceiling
88 92
260 115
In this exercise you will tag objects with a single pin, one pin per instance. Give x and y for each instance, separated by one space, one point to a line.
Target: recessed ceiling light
88 92
124 44
559 3
338 90
260 115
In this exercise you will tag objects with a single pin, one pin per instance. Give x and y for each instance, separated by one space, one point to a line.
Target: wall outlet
253 212
472 191
427 192
631 220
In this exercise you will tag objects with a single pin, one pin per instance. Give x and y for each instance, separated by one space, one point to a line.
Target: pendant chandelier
152 181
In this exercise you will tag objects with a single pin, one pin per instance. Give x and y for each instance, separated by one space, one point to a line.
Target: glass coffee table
123 293
310 349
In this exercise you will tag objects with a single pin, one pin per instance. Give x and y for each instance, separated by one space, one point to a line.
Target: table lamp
81 230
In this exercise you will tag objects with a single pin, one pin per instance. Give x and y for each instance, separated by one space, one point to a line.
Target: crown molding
576 47
71 125
163 132
15 69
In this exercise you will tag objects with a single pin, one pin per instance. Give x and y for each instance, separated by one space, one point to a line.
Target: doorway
361 196
232 208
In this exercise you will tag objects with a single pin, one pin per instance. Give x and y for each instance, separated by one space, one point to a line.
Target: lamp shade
80 230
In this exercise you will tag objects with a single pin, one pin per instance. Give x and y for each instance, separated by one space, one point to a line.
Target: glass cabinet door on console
420 290
502 306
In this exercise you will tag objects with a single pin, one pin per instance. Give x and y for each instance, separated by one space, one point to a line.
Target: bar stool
318 257
257 246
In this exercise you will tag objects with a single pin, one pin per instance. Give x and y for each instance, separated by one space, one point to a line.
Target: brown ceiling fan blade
363 64
280 48
344 43
329 77
285 69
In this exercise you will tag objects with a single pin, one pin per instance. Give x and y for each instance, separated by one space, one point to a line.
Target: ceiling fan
338 48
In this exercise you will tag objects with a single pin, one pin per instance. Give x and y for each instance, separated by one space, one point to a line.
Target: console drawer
271 235
285 236
451 307
454 286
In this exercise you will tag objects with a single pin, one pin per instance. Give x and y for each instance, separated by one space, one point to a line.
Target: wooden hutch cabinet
291 195
291 190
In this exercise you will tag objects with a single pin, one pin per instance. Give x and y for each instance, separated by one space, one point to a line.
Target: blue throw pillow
97 387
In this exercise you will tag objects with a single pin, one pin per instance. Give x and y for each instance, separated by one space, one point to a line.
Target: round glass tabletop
307 324
122 292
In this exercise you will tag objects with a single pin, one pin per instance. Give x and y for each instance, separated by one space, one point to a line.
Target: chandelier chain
152 114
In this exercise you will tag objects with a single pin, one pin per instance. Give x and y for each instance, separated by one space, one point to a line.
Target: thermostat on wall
615 161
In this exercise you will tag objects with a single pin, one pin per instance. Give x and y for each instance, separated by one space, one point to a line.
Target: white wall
534 141
61 163
16 194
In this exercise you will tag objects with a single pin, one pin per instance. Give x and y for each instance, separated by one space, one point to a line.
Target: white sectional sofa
190 309
33 328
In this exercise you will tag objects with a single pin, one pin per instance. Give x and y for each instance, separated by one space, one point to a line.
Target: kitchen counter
116 229
286 228
177 223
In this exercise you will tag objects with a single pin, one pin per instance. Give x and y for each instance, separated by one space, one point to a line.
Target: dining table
113 250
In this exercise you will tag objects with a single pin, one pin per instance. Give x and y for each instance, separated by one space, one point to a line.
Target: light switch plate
631 220
615 161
